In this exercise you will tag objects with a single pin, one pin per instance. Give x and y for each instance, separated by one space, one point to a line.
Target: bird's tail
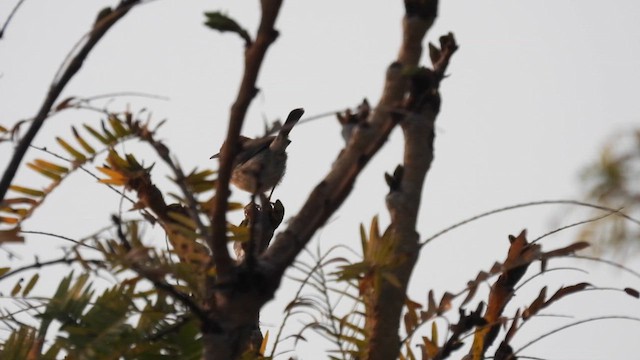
281 141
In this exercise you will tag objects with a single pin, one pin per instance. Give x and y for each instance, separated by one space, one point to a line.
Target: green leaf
198 182
116 125
27 191
133 163
218 21
238 233
16 288
52 352
30 284
111 138
19 344
184 220
51 175
68 303
85 145
363 239
374 230
71 150
102 332
353 271
96 134
117 161
392 279
51 166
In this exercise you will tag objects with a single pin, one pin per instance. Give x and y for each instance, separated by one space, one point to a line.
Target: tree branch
106 19
384 306
254 56
365 141
6 23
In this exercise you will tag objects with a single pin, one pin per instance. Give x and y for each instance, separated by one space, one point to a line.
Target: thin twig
83 103
6 23
545 272
527 204
38 264
575 224
77 242
608 262
125 94
572 325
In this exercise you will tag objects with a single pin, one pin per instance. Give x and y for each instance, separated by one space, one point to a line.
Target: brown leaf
632 292
536 305
496 268
430 347
513 328
543 265
11 235
504 352
567 250
411 317
564 291
65 103
434 53
445 302
472 286
431 308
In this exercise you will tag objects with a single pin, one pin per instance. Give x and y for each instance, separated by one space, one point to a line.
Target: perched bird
260 163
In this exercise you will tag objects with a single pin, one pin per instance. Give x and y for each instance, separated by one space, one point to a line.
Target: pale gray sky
535 90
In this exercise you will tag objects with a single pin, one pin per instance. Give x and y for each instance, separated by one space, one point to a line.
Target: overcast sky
535 90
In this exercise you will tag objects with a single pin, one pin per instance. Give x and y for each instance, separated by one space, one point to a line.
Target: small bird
260 163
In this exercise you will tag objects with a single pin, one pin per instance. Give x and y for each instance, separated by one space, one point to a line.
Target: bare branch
254 56
422 103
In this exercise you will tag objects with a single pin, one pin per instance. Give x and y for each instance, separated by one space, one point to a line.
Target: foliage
612 182
221 22
99 326
332 305
189 299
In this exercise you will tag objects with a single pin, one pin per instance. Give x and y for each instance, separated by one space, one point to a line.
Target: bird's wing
251 147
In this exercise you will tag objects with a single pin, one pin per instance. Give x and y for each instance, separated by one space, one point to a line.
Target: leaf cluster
102 327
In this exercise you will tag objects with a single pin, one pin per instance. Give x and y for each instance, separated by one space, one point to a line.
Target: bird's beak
215 156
